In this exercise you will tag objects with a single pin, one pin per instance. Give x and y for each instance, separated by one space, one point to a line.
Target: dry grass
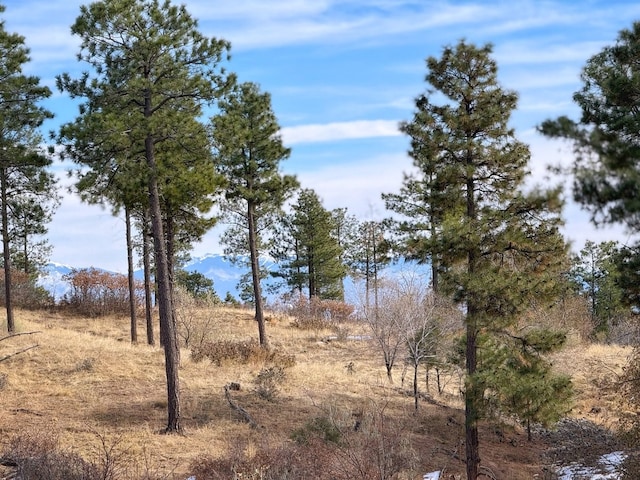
594 369
88 386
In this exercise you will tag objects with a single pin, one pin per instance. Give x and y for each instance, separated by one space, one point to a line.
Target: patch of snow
430 476
608 470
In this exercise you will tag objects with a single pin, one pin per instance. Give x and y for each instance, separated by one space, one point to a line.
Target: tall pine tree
152 73
309 250
23 174
248 153
497 248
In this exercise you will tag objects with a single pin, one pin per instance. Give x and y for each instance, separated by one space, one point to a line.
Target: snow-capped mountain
224 273
52 279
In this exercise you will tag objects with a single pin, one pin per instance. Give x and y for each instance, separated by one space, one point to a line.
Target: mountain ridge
224 271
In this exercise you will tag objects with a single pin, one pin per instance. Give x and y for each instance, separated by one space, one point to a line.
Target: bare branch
17 335
7 357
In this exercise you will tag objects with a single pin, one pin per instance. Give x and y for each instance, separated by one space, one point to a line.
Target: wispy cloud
339 131
254 24
358 184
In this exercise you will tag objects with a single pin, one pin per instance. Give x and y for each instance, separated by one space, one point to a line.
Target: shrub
320 427
283 462
26 293
243 352
326 448
317 314
267 383
36 457
96 293
194 318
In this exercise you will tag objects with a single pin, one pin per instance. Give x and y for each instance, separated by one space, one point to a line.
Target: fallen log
243 413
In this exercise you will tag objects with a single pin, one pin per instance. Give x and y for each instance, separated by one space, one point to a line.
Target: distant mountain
224 273
52 279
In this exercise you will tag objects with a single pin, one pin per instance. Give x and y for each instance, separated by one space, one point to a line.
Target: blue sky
342 75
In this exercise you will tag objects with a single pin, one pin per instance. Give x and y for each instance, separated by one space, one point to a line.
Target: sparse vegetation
326 419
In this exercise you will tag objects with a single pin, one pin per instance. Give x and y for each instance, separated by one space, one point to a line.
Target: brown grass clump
94 401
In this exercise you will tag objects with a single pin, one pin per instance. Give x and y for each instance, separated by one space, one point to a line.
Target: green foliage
151 73
322 427
229 299
267 382
196 284
605 170
366 249
596 275
627 263
28 192
496 248
519 380
248 152
309 250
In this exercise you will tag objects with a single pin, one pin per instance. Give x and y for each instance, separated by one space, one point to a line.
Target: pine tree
496 247
520 379
367 254
605 170
309 250
152 73
596 276
23 175
248 152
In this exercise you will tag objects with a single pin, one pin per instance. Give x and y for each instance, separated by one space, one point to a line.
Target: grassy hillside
86 390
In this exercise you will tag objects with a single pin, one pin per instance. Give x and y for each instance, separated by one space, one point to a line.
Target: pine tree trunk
473 396
132 292
255 274
165 305
11 328
148 306
170 242
471 405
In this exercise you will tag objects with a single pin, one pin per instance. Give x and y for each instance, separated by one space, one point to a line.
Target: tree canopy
27 189
606 173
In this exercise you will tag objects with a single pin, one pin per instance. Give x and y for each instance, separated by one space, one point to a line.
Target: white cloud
340 131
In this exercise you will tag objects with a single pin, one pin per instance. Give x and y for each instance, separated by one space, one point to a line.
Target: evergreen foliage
606 178
596 275
152 72
248 151
606 173
519 380
27 190
311 258
196 284
496 247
